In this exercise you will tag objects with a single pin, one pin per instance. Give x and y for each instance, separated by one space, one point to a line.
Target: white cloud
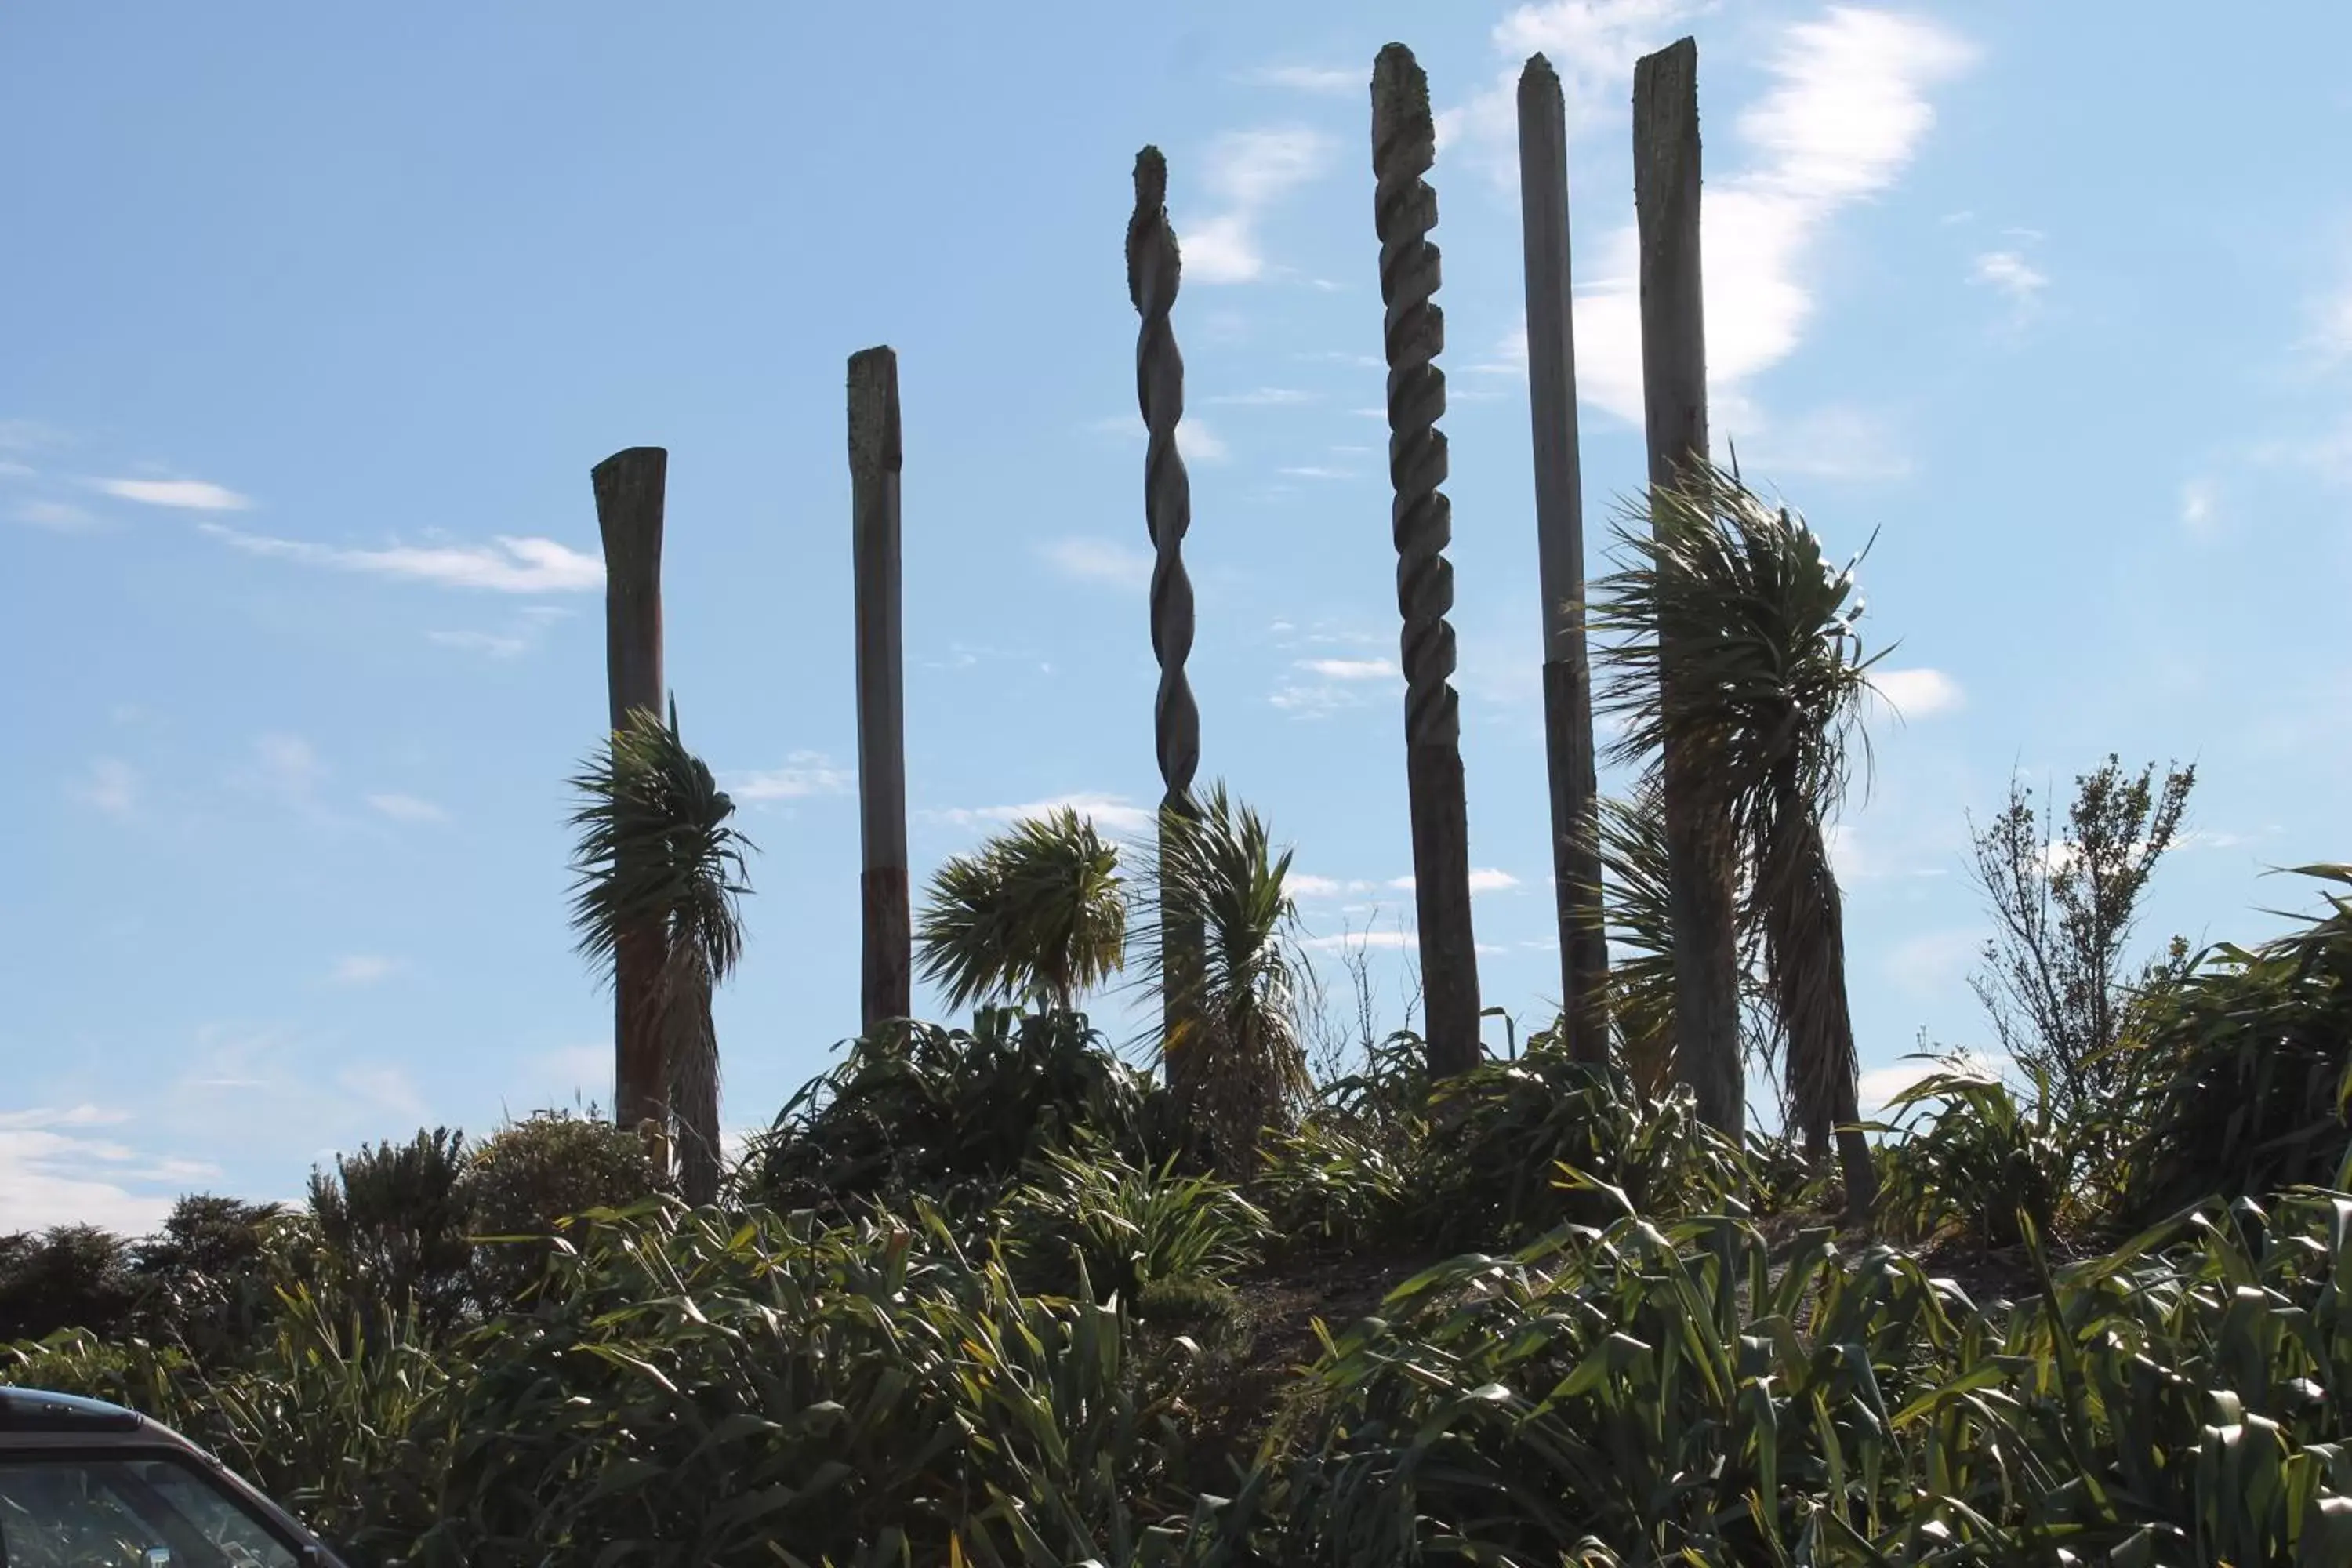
1482 880
56 516
1099 561
1245 173
1325 80
1312 472
1846 112
803 773
1352 669
1114 811
1302 885
2010 273
386 1090
364 969
407 807
506 565
111 785
1918 693
53 1171
2201 502
187 495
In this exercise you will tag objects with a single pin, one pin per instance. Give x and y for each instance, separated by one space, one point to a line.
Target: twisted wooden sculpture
1404 145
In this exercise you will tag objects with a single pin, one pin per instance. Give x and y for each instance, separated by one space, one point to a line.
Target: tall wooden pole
629 489
1560 562
1674 394
886 983
1404 145
1154 271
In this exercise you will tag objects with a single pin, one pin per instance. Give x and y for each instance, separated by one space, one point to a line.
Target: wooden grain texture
1560 562
629 487
1405 209
885 980
1699 874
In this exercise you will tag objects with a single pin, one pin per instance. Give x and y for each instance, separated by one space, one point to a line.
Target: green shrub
1979 1163
1655 1394
208 1280
688 1393
1125 1225
1336 1181
392 1224
1488 1172
69 1277
2247 1064
956 1116
528 1177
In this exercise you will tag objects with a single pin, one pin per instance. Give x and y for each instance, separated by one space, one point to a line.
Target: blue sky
315 322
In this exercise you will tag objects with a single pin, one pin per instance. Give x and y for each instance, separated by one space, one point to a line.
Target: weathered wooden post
1674 395
1560 562
629 489
885 981
1154 270
1404 145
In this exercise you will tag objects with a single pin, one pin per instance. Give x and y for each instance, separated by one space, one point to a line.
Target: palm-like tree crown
1767 672
660 863
656 849
1038 913
1737 646
1219 868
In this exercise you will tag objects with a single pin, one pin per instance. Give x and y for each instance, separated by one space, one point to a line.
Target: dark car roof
34 1412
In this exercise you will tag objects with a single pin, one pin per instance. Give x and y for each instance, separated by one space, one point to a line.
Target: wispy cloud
1195 440
1836 441
498 645
2015 278
54 1168
111 785
1115 812
56 516
1846 112
1919 693
1486 880
186 495
505 565
1264 397
1327 81
284 768
406 808
2201 502
1352 942
1932 962
1352 669
1318 471
1088 560
364 969
1877 1090
1244 173
803 773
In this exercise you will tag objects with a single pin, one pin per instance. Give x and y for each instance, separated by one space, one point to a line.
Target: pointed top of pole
1538 71
1402 122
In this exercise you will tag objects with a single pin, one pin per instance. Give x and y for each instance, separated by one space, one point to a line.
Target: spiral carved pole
1404 145
1154 268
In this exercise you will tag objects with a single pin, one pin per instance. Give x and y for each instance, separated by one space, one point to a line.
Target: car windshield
116 1511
